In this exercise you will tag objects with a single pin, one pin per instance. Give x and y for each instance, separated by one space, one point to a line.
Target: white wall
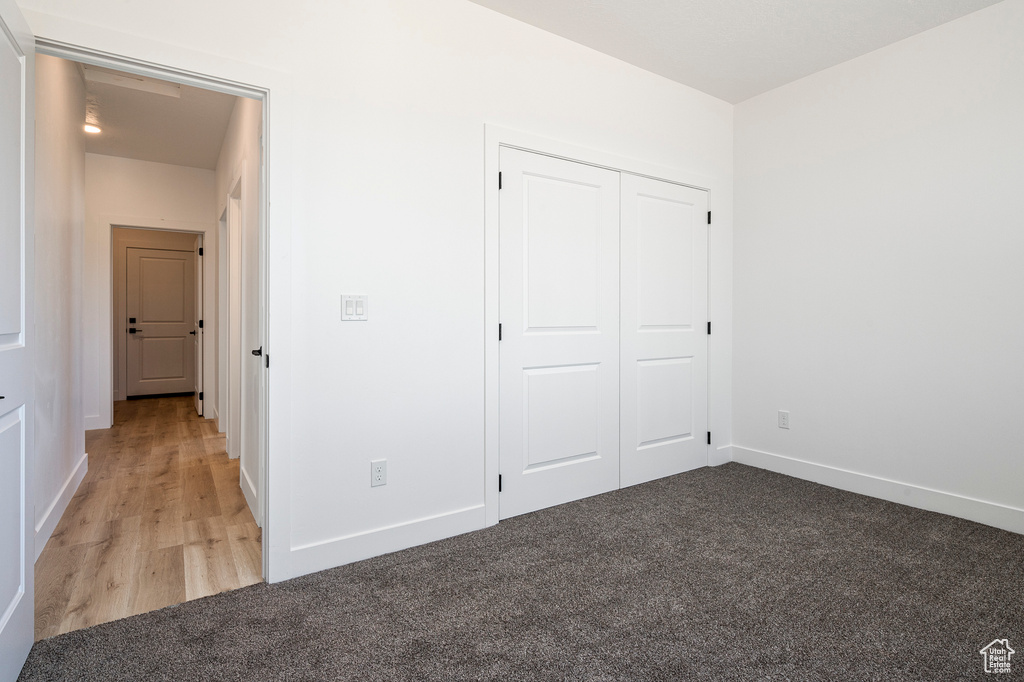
61 461
130 193
879 277
239 162
376 185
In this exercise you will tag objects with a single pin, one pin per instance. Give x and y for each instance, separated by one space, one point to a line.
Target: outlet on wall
378 472
783 419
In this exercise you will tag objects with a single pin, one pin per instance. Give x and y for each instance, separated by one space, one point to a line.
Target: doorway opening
172 505
159 325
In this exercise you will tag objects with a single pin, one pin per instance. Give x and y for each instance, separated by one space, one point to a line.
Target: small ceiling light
90 128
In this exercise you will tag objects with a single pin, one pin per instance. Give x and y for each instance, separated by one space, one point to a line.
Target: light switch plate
355 307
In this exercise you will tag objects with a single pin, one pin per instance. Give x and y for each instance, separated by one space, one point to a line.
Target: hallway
159 519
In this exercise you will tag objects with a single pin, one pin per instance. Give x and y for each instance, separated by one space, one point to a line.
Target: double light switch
354 307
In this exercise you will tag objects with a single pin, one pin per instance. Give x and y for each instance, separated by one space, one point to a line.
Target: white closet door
559 311
664 329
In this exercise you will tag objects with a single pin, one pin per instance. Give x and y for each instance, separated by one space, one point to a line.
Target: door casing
276 546
123 237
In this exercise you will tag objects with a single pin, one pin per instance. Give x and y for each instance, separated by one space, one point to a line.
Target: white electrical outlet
378 472
783 419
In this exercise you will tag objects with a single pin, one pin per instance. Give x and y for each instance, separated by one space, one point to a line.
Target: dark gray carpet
727 573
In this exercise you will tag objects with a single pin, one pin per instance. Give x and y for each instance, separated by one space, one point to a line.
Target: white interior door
197 332
161 342
559 311
16 503
664 329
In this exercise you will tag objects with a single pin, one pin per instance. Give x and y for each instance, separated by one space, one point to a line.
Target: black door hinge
499 179
709 328
709 438
709 217
200 251
200 324
200 395
499 483
267 357
499 332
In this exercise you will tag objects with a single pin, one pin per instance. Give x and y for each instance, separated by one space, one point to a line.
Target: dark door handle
132 330
193 333
258 352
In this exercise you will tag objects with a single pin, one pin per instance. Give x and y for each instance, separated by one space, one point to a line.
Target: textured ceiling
735 49
185 131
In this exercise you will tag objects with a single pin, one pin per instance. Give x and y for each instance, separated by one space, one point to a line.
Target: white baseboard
44 528
358 546
94 422
720 455
210 412
249 491
972 509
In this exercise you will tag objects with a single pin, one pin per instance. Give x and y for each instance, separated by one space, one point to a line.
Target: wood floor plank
209 563
162 524
102 593
201 493
129 498
85 520
245 539
193 449
158 519
58 575
159 580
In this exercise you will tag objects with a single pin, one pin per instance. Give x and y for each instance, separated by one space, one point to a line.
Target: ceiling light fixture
90 128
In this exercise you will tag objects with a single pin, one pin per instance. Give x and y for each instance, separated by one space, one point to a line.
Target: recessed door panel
163 358
162 281
664 403
11 517
559 302
161 300
561 234
556 435
665 240
10 187
663 336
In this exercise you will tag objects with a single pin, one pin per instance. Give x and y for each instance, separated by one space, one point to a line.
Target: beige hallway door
161 321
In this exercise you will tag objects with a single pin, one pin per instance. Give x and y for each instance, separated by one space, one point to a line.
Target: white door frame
229 324
496 137
93 57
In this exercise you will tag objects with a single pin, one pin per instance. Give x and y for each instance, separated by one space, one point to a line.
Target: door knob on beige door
258 352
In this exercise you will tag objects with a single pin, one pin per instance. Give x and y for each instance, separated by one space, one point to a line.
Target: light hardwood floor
158 520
